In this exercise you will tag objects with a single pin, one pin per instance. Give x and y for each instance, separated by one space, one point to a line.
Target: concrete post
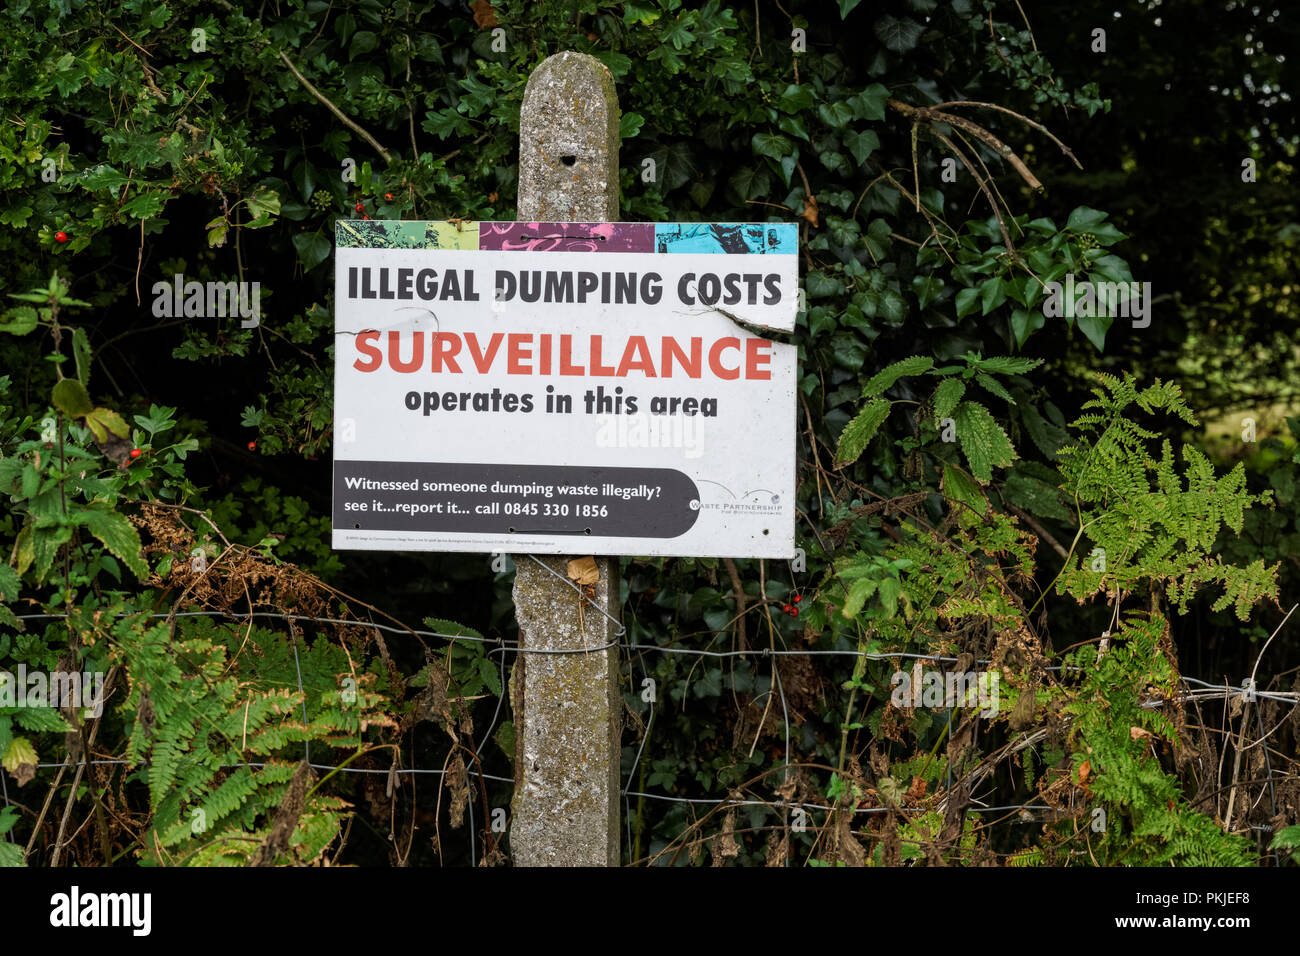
567 706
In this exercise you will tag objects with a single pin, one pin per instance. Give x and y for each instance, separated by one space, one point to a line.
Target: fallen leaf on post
583 571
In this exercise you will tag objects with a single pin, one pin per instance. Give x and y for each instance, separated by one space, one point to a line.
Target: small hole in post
568 160
586 531
511 530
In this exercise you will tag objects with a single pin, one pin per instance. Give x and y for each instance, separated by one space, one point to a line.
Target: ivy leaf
982 440
1024 322
1095 328
117 534
857 433
946 397
993 293
862 144
967 302
897 35
870 103
927 288
69 396
313 249
749 182
773 145
795 99
846 7
1091 222
886 377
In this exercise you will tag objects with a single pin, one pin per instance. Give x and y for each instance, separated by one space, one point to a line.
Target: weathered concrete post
567 706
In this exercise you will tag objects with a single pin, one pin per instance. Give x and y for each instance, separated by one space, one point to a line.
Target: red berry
252 446
60 237
361 207
365 217
388 196
786 608
798 598
794 611
135 452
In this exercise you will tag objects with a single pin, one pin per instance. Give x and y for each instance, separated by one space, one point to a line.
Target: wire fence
1200 690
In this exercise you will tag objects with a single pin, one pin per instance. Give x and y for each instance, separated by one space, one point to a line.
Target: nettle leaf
860 431
983 441
19 320
859 591
993 385
886 377
946 397
104 420
958 486
1006 365
69 396
117 534
443 626
81 354
1024 489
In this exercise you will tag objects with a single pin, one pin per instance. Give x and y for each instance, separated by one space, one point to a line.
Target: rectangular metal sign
561 388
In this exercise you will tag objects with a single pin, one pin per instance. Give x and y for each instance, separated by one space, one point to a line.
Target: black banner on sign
513 499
